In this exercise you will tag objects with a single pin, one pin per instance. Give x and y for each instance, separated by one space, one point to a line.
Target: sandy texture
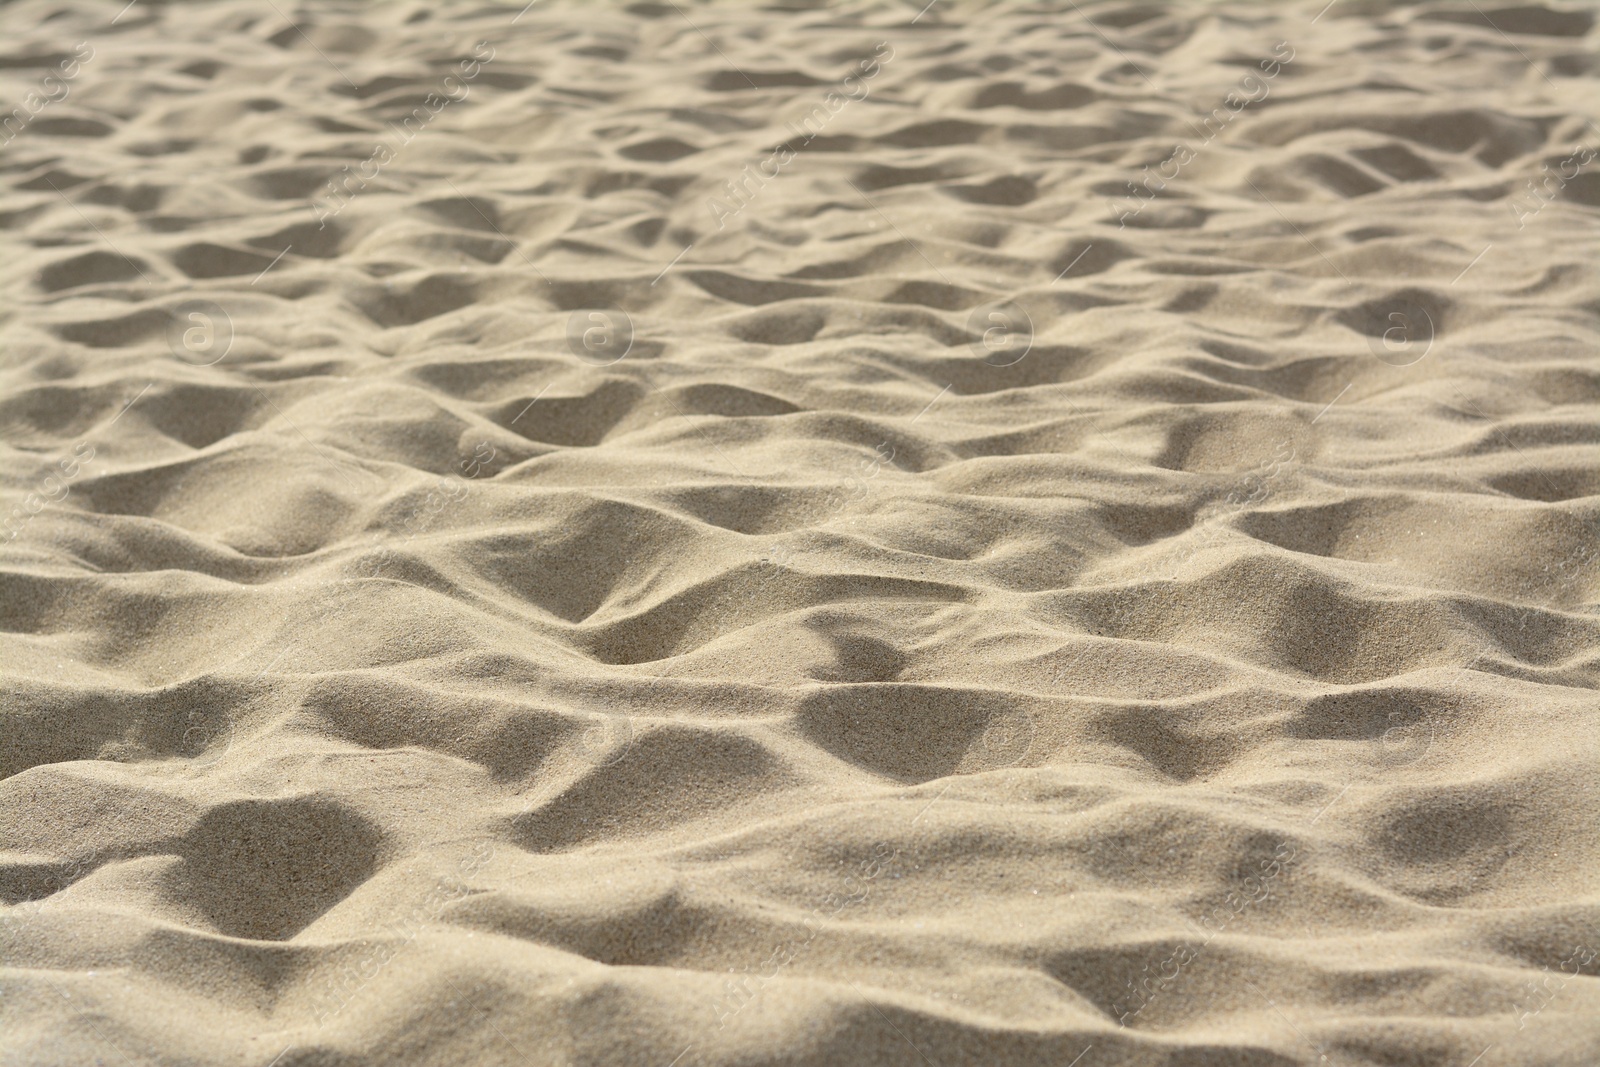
806 535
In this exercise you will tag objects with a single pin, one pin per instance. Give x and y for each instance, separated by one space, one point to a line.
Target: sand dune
704 534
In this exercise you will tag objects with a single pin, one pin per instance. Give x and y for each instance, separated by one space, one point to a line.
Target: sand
682 535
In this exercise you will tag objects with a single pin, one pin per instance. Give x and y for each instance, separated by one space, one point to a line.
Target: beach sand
702 534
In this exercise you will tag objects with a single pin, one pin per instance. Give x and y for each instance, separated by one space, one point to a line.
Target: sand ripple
686 535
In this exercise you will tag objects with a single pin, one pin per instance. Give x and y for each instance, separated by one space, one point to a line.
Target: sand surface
714 535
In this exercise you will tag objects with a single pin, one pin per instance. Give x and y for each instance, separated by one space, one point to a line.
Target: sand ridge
694 534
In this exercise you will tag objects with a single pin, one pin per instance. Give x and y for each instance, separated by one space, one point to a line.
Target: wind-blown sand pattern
683 535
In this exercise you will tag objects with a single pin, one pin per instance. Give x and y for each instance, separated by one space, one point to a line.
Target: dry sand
705 535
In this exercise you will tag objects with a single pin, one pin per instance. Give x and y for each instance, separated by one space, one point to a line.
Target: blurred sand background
707 534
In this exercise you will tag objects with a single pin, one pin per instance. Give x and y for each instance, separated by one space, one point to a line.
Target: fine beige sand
695 535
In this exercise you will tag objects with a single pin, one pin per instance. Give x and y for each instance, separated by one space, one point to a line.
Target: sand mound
694 535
